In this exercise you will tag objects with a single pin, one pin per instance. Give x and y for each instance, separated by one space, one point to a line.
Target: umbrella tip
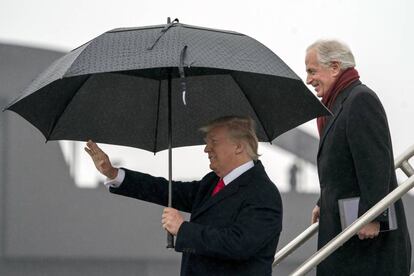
174 21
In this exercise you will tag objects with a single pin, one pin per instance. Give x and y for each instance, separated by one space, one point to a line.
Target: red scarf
345 79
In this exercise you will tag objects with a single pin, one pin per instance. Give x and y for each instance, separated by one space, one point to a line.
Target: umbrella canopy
153 87
114 89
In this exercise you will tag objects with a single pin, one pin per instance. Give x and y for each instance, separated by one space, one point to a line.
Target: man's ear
240 147
336 68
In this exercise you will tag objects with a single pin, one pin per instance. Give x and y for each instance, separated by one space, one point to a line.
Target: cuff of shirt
117 181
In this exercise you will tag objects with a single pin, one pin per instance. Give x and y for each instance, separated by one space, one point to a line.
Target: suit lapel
337 109
227 191
206 192
230 189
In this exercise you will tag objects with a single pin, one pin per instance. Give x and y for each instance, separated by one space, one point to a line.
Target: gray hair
240 129
329 51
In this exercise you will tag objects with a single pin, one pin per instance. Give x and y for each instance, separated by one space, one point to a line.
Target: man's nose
206 149
308 79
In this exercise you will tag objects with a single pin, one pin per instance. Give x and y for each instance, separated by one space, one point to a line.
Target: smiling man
355 159
236 211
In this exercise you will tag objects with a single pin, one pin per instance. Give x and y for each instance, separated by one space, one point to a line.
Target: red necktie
220 185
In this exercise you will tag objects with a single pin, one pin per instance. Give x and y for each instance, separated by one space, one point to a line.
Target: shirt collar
238 171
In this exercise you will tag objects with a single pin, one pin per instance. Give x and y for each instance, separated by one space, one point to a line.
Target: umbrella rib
64 109
255 113
157 117
162 32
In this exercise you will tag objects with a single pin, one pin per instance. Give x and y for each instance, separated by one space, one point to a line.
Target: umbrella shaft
169 142
170 237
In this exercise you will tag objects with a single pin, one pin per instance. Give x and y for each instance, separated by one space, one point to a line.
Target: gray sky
379 32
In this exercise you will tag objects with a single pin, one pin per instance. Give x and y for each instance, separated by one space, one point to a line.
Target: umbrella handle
170 240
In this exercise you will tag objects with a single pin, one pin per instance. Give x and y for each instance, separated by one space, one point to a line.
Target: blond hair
240 129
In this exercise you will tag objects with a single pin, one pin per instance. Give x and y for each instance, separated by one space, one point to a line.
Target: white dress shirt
237 172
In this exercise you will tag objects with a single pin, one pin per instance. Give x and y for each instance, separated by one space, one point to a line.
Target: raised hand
101 160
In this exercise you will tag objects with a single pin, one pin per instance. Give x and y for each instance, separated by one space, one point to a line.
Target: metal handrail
295 243
371 214
401 162
352 229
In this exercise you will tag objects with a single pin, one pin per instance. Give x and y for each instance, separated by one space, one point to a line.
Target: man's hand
171 220
101 160
369 231
315 214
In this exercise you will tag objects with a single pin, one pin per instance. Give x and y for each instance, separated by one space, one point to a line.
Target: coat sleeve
155 189
370 145
257 224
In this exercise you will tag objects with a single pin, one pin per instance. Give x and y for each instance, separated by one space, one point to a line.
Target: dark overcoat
355 159
234 232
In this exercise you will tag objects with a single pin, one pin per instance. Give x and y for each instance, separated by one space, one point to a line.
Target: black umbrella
153 87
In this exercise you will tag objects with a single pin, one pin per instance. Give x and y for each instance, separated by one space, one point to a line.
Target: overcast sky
379 32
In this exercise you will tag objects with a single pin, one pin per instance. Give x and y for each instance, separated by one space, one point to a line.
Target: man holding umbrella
147 87
236 211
